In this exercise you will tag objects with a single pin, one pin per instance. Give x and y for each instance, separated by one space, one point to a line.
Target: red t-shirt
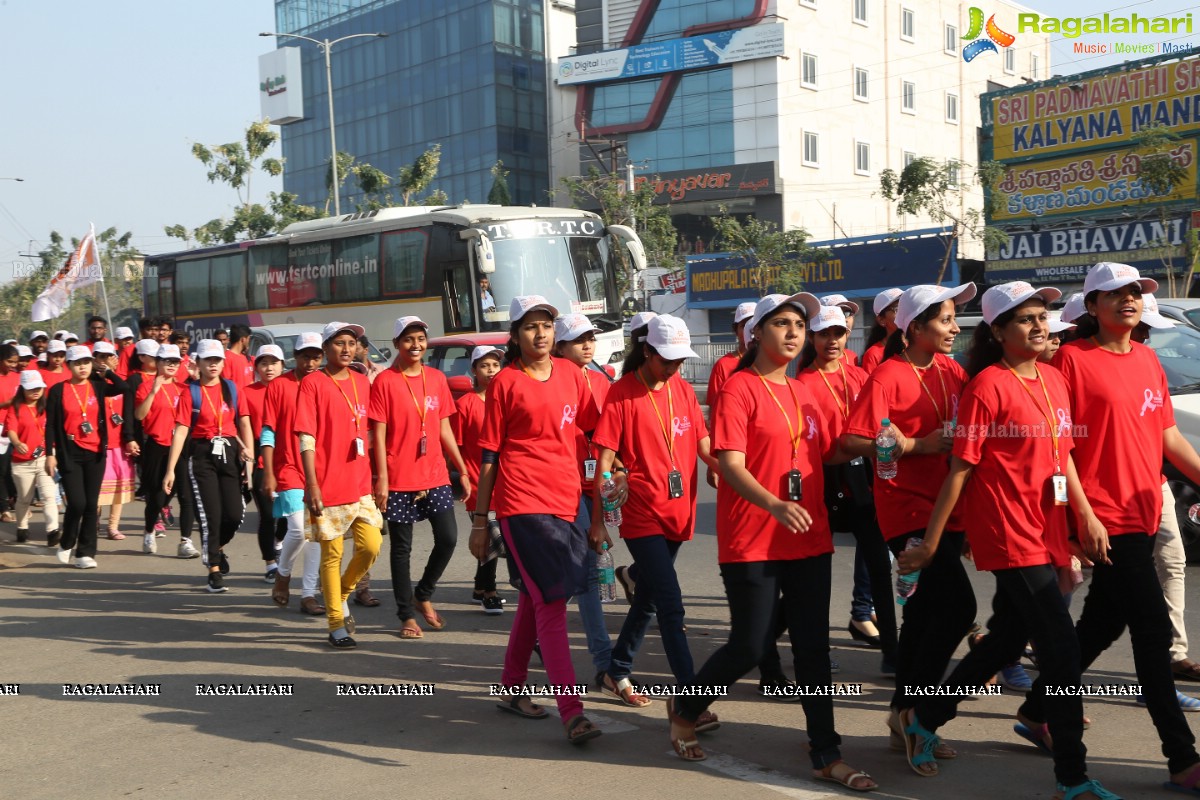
9 383
394 402
54 378
216 418
873 356
835 393
80 405
905 503
631 427
256 398
584 450
30 428
850 357
114 405
182 376
335 413
1003 431
126 360
1122 401
159 424
279 414
468 427
238 369
751 422
532 425
721 371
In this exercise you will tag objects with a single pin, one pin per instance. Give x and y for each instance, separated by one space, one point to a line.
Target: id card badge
38 452
360 447
420 446
589 469
218 448
117 419
674 484
1059 482
795 486
86 428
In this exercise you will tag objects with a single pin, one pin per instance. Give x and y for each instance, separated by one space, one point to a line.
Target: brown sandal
685 748
363 597
847 778
1186 669
280 592
312 607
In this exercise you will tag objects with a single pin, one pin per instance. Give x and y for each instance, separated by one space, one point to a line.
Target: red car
452 355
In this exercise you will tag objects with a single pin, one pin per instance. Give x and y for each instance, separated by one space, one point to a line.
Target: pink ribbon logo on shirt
568 417
431 403
1064 422
812 428
1153 401
679 425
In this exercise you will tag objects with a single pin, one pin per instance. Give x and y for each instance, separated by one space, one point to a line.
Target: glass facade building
469 75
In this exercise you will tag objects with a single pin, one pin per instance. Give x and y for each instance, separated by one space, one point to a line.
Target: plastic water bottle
607 575
1194 514
608 493
885 451
907 584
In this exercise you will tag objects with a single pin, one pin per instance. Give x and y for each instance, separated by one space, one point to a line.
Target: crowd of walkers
1041 457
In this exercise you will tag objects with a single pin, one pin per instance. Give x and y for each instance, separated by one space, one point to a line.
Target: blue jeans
861 602
590 609
658 594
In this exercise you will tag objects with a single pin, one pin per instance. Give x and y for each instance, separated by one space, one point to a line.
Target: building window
952 108
908 24
909 157
1010 60
860 12
908 97
1035 63
951 45
860 84
808 70
812 155
952 174
862 158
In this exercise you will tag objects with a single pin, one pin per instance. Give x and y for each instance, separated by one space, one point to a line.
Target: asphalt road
147 620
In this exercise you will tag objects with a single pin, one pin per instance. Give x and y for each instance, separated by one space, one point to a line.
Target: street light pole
325 46
19 180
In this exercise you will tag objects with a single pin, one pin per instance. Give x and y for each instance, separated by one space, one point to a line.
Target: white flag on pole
82 269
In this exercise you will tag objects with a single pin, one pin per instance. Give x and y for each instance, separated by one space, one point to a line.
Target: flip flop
580 738
1188 786
434 621
514 707
847 780
115 536
411 633
1035 735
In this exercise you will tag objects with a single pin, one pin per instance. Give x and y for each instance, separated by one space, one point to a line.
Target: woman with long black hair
885 306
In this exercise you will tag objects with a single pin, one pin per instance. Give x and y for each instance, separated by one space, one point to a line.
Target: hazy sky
102 101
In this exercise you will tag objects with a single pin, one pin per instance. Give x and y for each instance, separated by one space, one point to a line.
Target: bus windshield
569 271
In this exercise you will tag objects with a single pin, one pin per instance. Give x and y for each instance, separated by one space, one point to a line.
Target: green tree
934 188
344 162
1160 172
499 195
775 256
416 178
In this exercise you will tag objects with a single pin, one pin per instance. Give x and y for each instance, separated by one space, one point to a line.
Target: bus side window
458 304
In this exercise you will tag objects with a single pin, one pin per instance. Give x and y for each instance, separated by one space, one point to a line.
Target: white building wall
564 139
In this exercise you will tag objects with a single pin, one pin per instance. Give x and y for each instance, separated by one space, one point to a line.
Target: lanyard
668 434
844 408
795 435
1049 411
422 409
219 415
942 415
525 367
174 401
353 406
87 395
39 420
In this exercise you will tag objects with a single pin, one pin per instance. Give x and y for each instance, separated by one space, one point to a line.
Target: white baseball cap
828 317
641 319
1107 275
10 341
1074 308
523 304
404 323
62 335
744 311
670 337
38 335
273 350
885 299
209 348
78 353
104 349
1057 325
486 350
570 327
24 351
69 337
32 379
804 301
1007 296
168 351
334 328
41 359
56 346
147 347
307 341
123 333
840 300
1151 315
920 297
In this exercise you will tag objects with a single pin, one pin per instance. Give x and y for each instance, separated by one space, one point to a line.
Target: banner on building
280 86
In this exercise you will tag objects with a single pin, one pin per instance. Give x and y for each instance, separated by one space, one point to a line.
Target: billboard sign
280 86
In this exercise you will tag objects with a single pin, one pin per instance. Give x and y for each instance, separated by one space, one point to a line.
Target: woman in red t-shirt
268 365
886 303
410 412
25 426
10 376
468 427
917 388
773 534
55 371
1119 395
534 407
652 420
76 437
835 386
117 487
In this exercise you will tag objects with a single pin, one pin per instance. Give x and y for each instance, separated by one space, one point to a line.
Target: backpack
228 394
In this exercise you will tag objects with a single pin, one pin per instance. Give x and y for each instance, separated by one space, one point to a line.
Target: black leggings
217 487
270 530
445 537
936 618
82 473
874 549
1028 605
154 468
752 589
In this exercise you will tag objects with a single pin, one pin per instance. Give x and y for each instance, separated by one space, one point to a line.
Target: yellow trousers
336 584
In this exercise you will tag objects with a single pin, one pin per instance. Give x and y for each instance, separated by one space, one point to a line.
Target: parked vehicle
1180 309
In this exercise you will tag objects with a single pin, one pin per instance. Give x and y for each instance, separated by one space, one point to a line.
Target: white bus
372 267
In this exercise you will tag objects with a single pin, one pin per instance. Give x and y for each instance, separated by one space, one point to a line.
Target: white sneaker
64 556
148 543
187 549
84 562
